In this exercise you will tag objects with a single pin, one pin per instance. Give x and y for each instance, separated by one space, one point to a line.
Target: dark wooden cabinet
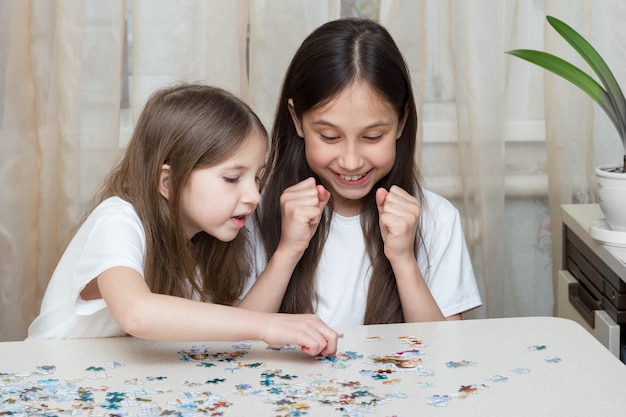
591 285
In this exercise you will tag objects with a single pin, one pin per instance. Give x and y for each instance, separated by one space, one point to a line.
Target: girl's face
350 143
219 199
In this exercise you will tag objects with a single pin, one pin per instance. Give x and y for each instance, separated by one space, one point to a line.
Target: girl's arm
301 209
399 216
144 314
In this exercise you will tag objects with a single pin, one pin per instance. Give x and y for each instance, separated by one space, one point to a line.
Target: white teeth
352 177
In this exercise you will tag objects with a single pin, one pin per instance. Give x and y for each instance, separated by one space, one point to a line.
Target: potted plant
610 179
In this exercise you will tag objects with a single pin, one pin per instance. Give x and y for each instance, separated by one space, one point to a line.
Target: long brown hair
331 58
187 126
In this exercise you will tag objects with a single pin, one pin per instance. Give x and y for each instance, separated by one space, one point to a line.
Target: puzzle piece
439 400
460 364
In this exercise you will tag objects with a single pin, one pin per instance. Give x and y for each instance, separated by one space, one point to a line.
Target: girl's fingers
323 196
381 196
308 331
397 201
399 214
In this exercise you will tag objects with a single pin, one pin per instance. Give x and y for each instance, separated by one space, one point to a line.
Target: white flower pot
611 188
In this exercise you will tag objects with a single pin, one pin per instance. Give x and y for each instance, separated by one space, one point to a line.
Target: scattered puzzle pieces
39 392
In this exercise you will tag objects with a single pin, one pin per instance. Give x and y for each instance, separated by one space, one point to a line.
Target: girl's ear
164 181
403 122
296 121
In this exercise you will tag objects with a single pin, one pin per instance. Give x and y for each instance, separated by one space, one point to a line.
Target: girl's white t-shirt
344 271
111 236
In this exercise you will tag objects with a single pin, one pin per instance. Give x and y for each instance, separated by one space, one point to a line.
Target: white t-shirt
344 271
111 236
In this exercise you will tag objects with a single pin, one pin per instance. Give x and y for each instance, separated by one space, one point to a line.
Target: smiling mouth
352 178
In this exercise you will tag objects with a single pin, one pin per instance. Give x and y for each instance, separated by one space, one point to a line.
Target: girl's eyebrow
323 122
381 123
235 166
241 166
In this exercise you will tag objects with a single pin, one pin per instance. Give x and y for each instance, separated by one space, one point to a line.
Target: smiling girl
345 229
164 251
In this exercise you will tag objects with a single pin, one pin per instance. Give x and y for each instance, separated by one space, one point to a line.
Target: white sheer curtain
498 134
277 28
187 41
59 124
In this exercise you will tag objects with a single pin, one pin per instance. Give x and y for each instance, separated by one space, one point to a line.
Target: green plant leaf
598 65
574 75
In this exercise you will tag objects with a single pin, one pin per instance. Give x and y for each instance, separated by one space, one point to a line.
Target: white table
509 367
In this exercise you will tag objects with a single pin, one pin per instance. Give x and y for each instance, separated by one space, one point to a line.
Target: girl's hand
306 330
399 214
302 206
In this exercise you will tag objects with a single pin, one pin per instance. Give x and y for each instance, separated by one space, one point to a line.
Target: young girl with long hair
164 250
345 229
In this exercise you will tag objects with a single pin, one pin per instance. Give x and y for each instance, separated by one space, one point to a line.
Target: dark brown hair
187 126
331 58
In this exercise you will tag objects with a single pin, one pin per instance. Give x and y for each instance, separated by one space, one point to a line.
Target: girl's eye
329 138
231 180
372 138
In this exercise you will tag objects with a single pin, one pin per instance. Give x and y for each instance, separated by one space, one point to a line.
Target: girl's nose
252 195
351 158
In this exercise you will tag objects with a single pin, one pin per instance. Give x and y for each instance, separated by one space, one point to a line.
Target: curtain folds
505 141
19 171
187 41
277 28
478 71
